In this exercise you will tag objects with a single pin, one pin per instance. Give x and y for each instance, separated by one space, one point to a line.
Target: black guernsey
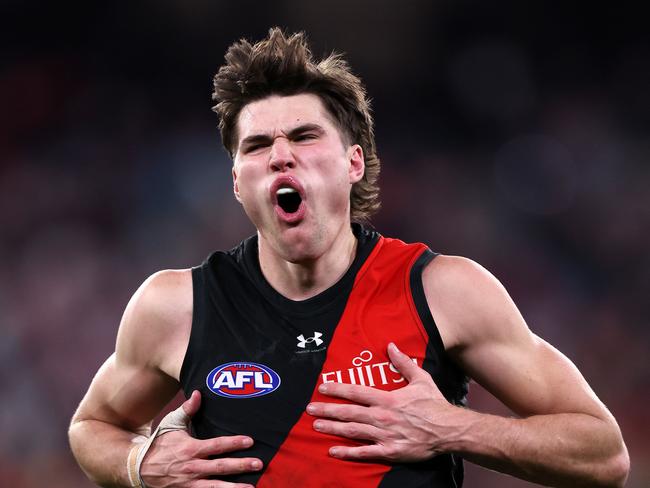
258 358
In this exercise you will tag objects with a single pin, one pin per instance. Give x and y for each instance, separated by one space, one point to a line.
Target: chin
300 244
298 252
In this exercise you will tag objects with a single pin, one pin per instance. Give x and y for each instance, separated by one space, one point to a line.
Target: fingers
180 418
373 451
351 430
221 445
363 395
175 420
345 413
410 370
192 404
218 484
224 466
186 461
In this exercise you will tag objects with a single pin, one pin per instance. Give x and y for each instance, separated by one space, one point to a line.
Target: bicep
126 395
490 340
136 382
529 376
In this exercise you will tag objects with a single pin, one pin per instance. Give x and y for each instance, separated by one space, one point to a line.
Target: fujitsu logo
362 373
316 339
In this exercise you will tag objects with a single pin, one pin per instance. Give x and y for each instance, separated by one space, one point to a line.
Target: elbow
620 468
606 471
75 430
75 441
75 437
80 435
614 472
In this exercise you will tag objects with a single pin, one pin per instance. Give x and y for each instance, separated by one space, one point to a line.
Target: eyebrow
266 138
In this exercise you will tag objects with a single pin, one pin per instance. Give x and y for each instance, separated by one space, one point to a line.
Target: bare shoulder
141 377
157 322
467 301
487 336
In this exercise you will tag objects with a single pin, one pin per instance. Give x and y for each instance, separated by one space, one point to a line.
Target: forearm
560 450
101 449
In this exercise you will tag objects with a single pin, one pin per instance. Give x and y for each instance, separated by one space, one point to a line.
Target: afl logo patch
242 380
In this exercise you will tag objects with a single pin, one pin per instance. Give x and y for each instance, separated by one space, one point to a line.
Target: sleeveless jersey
258 359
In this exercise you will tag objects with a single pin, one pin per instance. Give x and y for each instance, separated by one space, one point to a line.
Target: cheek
251 200
251 194
335 188
246 178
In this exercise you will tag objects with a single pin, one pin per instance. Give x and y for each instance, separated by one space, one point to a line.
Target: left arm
565 436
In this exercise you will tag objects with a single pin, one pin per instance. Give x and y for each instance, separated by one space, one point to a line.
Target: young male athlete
319 353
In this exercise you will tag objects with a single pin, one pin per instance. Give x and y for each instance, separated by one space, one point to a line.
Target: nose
281 157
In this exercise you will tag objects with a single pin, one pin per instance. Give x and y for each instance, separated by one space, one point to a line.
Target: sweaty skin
565 436
135 383
295 136
279 136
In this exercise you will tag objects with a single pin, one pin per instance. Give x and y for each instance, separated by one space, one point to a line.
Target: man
319 353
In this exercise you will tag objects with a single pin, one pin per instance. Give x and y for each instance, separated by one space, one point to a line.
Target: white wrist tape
175 420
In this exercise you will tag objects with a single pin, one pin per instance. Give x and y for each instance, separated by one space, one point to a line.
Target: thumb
179 419
403 363
192 404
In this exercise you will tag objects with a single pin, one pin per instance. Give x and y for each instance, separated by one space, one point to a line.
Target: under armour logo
302 342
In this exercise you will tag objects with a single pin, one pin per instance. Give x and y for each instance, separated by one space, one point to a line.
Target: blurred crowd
518 138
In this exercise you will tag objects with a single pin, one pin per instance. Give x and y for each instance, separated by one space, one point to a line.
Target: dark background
512 133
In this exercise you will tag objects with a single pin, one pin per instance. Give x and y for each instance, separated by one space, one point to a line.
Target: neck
307 278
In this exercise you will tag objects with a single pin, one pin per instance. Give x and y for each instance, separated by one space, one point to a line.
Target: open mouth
289 199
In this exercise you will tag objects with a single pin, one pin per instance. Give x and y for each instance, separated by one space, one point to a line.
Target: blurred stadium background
513 133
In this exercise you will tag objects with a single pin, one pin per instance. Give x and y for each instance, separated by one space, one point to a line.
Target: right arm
133 386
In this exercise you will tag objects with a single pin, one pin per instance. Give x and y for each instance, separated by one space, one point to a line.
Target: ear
235 188
357 163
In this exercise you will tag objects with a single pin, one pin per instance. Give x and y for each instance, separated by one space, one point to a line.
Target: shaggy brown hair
283 65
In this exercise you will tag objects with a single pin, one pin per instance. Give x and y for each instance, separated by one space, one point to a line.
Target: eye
254 147
305 137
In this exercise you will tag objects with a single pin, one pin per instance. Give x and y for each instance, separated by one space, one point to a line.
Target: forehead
282 113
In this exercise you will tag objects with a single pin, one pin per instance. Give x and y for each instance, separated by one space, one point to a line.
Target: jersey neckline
366 241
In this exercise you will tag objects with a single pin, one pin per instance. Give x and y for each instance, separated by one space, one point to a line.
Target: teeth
284 191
